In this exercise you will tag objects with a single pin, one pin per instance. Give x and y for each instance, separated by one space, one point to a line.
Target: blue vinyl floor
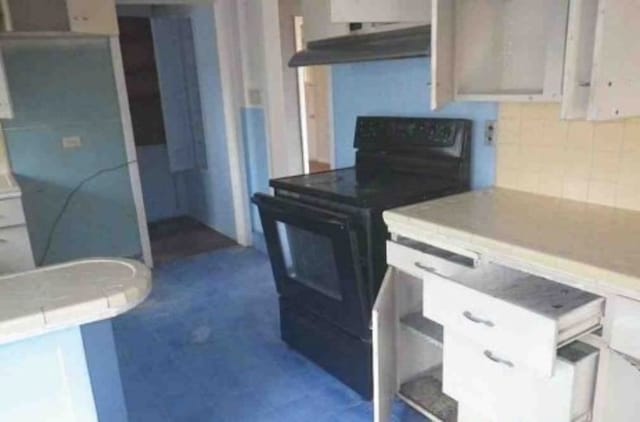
205 347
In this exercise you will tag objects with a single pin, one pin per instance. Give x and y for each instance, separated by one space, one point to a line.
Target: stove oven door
315 260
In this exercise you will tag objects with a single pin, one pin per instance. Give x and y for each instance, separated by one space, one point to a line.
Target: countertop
8 186
598 245
71 294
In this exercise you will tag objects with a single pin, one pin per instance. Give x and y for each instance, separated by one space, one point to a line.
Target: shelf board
424 394
431 330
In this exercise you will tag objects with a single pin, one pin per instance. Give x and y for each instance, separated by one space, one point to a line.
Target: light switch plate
71 142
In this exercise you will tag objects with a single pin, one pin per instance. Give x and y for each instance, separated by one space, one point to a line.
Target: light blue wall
210 190
165 193
256 156
45 378
67 88
400 88
104 371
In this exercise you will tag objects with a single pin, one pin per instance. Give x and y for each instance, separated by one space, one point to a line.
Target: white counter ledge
70 294
596 244
8 186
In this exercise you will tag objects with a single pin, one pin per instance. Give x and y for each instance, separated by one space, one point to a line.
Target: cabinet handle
468 315
424 267
489 354
3 240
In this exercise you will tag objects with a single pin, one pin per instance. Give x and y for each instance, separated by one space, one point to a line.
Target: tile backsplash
586 161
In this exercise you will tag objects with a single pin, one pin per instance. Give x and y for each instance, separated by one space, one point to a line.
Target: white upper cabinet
317 22
92 17
579 58
615 80
498 50
380 10
601 79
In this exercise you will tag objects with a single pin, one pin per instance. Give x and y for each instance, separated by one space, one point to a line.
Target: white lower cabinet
459 339
500 392
407 352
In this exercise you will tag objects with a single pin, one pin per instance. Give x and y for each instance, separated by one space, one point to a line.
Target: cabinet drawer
522 316
15 250
11 213
414 257
498 392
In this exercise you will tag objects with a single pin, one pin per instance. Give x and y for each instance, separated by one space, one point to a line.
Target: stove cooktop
372 190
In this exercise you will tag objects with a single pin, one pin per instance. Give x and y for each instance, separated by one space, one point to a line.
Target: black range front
326 238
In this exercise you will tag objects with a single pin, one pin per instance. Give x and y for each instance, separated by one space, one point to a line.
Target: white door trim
130 148
230 61
226 26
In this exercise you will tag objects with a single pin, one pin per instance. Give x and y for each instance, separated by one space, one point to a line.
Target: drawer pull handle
496 359
3 240
424 267
468 315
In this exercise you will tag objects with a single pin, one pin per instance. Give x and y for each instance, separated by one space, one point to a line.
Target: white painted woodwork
625 326
380 11
579 58
93 16
401 353
384 326
11 213
442 53
56 17
623 384
317 21
15 250
498 392
520 317
497 50
615 86
6 106
413 261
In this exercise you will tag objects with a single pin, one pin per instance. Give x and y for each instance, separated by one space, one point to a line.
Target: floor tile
205 347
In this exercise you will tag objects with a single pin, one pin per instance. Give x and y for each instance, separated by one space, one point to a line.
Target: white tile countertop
8 186
596 244
71 294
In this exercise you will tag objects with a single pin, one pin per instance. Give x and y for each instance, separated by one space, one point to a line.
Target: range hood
396 44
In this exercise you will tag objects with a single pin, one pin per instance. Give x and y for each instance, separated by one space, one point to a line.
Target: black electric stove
326 237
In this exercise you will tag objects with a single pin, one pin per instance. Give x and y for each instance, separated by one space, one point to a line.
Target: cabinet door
384 322
615 86
168 37
6 107
93 16
317 21
442 54
380 11
579 58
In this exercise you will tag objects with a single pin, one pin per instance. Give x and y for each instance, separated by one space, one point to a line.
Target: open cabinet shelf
430 330
424 394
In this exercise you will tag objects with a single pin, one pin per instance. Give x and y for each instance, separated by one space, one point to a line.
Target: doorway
315 110
161 75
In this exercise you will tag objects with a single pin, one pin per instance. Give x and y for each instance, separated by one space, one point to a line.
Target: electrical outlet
70 142
489 132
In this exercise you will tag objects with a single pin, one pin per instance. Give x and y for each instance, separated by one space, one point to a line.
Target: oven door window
309 259
316 261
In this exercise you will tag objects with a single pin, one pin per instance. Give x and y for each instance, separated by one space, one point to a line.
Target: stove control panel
377 133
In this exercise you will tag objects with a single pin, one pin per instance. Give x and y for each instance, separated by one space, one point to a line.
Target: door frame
230 67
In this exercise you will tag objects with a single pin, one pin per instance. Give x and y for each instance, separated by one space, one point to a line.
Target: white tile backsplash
586 161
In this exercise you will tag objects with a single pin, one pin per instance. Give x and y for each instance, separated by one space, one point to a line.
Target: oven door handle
287 208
